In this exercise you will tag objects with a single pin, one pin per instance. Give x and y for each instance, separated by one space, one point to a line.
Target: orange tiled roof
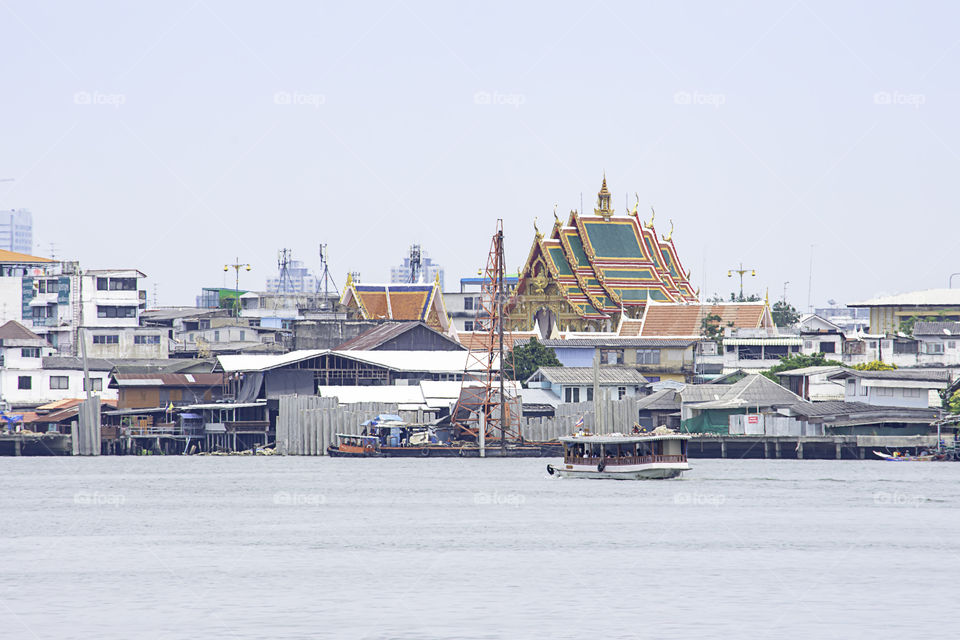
400 302
22 258
630 328
478 340
663 320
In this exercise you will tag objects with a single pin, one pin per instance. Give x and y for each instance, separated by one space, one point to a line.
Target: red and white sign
753 419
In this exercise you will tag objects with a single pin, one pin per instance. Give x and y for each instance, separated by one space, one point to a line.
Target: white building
31 376
575 384
897 388
297 279
938 342
429 271
16 231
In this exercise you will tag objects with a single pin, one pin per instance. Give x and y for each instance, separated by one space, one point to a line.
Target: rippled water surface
182 547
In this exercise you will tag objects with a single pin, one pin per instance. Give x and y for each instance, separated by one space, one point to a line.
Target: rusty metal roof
167 379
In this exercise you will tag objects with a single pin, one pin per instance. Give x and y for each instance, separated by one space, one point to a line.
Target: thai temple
595 271
397 302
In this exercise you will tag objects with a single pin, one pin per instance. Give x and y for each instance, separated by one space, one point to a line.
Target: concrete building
899 388
938 342
887 312
575 384
30 375
16 231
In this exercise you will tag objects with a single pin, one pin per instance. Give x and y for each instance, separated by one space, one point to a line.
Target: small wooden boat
657 455
898 457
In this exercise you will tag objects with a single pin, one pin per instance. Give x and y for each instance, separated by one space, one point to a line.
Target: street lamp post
950 282
741 271
236 266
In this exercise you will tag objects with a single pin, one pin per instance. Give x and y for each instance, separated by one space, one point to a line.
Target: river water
202 547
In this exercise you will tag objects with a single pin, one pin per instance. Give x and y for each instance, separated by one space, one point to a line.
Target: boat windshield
625 452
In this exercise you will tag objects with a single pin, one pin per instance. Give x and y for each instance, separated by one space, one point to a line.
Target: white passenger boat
656 455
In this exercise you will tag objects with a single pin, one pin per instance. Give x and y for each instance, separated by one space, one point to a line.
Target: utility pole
741 272
785 292
236 266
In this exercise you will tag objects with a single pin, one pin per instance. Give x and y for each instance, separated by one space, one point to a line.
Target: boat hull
653 471
521 451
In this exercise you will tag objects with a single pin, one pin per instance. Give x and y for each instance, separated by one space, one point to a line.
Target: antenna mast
415 263
484 398
325 279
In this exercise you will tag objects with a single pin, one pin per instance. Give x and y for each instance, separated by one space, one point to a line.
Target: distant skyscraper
16 231
426 271
298 279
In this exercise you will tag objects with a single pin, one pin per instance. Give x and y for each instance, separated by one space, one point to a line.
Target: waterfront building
30 374
16 231
575 384
587 274
417 266
913 388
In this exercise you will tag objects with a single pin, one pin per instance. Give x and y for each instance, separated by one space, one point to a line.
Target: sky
178 137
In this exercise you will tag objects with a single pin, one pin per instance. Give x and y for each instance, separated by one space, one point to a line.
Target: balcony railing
594 461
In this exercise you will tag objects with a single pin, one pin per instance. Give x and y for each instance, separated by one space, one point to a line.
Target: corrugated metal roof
942 329
663 400
810 371
773 341
168 379
617 341
927 298
432 361
264 362
895 374
608 375
379 335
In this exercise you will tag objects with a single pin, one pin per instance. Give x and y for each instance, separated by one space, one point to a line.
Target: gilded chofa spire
603 200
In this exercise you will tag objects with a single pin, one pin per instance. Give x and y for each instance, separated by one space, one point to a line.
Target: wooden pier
805 447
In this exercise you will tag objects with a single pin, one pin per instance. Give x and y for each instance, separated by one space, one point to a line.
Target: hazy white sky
176 136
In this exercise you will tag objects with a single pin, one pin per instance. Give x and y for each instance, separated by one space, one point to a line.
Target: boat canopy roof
621 438
354 435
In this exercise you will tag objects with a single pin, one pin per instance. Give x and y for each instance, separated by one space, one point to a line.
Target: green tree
906 326
799 361
527 358
875 365
953 403
710 327
784 314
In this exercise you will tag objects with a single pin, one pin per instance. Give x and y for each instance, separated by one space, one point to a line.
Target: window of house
30 352
104 311
863 390
216 336
913 393
146 339
808 344
621 392
731 348
872 344
571 394
122 284
468 325
852 387
648 356
951 344
884 391
589 394
96 384
24 382
468 304
934 347
59 382
828 347
106 339
101 284
243 336
611 356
